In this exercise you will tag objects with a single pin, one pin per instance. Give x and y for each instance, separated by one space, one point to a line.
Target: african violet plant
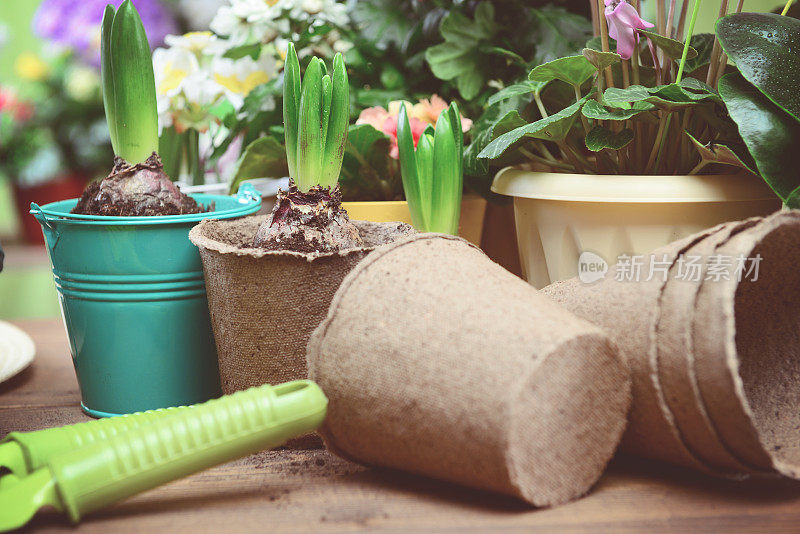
316 111
137 184
637 101
433 177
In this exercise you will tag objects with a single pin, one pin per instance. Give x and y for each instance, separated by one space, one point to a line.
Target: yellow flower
30 67
242 86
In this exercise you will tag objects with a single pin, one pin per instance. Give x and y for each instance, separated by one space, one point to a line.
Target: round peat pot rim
199 235
246 202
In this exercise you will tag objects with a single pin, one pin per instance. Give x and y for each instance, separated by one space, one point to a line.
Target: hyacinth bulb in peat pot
129 281
271 278
645 135
137 184
316 110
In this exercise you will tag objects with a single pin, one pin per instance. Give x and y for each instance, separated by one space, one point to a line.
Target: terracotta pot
470 226
69 185
575 224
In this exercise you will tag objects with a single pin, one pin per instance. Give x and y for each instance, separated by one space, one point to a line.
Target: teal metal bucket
133 299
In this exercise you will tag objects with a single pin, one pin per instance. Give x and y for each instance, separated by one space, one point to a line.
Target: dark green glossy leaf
553 128
483 135
771 135
766 49
599 138
671 47
601 60
522 88
668 97
594 110
573 70
704 44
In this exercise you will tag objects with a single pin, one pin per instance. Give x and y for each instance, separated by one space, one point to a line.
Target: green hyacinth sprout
433 177
129 87
316 114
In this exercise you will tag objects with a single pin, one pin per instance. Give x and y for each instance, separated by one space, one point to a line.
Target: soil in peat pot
137 190
308 222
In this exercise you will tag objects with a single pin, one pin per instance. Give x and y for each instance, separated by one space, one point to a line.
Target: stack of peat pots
711 334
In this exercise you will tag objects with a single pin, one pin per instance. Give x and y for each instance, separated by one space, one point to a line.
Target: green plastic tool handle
39 446
185 442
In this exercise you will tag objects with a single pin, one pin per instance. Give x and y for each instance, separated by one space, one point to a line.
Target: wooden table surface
313 491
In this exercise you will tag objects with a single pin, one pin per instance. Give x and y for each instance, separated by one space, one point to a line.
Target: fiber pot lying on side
270 279
436 360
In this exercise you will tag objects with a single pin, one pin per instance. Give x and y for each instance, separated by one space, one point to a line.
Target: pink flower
623 21
386 122
429 110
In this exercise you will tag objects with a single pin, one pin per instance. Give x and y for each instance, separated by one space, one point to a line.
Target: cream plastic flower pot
564 221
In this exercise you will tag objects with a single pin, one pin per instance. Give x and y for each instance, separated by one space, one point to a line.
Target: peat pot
265 303
133 299
579 224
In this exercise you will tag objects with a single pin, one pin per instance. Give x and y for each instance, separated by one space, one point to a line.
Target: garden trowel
84 467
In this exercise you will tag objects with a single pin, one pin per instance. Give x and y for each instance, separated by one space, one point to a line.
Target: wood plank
314 491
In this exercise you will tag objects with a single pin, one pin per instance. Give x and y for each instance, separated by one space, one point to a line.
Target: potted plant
130 283
271 278
433 175
629 145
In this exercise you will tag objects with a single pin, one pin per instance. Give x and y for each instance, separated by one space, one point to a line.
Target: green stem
692 21
786 8
578 97
545 161
540 105
698 167
193 164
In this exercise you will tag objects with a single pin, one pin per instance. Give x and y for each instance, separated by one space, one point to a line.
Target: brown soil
308 222
137 190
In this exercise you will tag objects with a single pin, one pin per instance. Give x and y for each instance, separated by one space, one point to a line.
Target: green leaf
771 135
558 33
367 169
765 48
238 52
553 128
411 172
107 75
573 70
134 87
425 177
291 107
483 136
447 184
335 136
704 44
382 22
668 97
263 158
719 153
458 58
522 88
309 135
601 60
594 110
671 47
599 138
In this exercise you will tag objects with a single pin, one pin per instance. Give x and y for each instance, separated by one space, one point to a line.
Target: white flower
198 43
199 13
239 77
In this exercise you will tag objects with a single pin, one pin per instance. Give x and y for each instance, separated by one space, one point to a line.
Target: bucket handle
51 231
248 194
